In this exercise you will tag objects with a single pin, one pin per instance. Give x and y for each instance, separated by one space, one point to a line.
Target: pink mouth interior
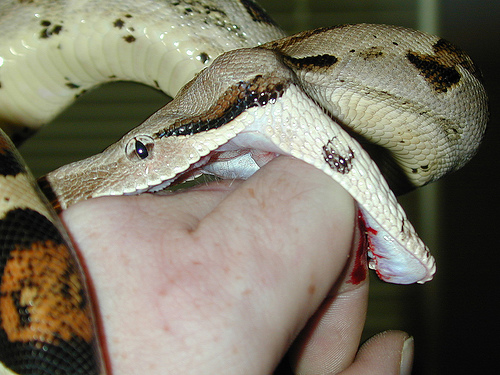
232 165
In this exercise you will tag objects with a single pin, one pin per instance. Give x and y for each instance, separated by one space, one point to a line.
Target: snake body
326 96
46 320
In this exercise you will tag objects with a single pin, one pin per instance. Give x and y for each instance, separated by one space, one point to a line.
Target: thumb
388 353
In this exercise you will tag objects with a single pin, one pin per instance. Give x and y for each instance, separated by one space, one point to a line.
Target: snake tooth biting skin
373 106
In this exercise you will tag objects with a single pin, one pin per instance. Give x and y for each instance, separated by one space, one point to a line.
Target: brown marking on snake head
338 156
452 130
439 76
440 69
236 99
72 85
311 63
42 297
48 31
257 13
129 38
451 55
371 53
119 23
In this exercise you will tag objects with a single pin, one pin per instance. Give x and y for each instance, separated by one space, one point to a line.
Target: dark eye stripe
257 92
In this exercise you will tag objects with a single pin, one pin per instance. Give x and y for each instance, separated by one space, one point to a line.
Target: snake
381 109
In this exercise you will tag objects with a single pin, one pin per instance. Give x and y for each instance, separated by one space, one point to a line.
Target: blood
360 268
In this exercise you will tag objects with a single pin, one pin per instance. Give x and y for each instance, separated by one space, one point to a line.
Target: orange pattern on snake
46 326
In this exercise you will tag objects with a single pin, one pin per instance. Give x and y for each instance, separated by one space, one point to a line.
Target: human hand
222 279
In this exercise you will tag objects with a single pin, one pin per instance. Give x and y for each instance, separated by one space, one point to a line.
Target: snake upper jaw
234 153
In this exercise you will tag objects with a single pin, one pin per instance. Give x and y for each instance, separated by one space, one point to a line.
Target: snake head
196 130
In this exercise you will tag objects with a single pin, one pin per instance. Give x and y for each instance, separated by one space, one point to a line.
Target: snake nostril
139 147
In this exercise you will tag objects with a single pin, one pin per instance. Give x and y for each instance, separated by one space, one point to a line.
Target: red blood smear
360 269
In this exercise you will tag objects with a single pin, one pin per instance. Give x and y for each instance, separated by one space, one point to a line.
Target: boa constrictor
326 96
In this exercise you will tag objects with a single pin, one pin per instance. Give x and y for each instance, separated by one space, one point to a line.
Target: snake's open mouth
239 158
228 165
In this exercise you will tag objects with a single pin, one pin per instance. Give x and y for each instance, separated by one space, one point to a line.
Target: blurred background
452 318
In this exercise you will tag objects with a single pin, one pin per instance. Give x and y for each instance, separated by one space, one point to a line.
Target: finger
305 226
388 353
331 338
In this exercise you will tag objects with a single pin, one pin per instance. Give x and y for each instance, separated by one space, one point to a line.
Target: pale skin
224 278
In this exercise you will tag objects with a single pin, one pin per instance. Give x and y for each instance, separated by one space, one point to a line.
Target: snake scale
375 107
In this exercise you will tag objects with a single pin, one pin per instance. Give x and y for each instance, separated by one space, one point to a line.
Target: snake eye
141 150
140 147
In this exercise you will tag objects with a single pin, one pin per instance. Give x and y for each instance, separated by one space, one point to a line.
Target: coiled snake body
413 100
